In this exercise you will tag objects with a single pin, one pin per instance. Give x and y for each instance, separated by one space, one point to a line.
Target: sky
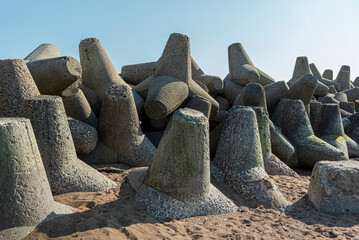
273 32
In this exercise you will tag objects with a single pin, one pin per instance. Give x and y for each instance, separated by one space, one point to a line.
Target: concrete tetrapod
16 84
176 58
274 92
239 161
200 104
54 75
178 183
272 164
119 128
344 79
301 68
231 90
98 72
165 95
65 171
352 94
83 135
309 148
321 79
303 88
241 68
77 106
45 50
213 83
328 74
136 73
25 200
329 127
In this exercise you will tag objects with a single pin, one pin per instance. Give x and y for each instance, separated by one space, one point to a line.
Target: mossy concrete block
165 95
25 200
239 157
45 50
309 148
334 186
54 75
16 84
119 128
136 73
98 72
272 164
176 58
83 134
77 106
65 171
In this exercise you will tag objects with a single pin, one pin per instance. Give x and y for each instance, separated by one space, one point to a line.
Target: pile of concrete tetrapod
201 145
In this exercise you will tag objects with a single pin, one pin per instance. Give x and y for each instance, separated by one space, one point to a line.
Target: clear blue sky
274 32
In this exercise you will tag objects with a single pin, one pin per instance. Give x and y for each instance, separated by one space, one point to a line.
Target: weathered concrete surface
272 164
328 74
274 92
45 50
314 113
16 84
119 128
323 80
334 186
303 88
301 68
65 171
136 73
142 87
213 83
100 155
84 135
309 148
344 79
239 157
176 58
178 184
77 106
92 98
231 90
98 72
253 94
200 104
165 95
25 199
194 89
54 75
352 94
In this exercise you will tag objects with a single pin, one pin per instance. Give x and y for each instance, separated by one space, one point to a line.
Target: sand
115 215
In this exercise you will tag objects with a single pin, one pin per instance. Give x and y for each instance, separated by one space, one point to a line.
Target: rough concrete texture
352 94
347 106
356 82
54 75
223 103
309 148
25 199
245 74
200 104
45 50
314 113
328 74
274 92
328 99
281 146
176 58
303 88
301 68
344 79
239 157
77 106
165 95
272 164
83 135
92 99
65 171
100 155
194 89
213 83
264 79
202 85
329 127
321 90
231 90
178 185
345 114
215 135
98 72
16 84
253 94
119 128
237 56
137 177
136 73
341 97
160 124
353 147
334 186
